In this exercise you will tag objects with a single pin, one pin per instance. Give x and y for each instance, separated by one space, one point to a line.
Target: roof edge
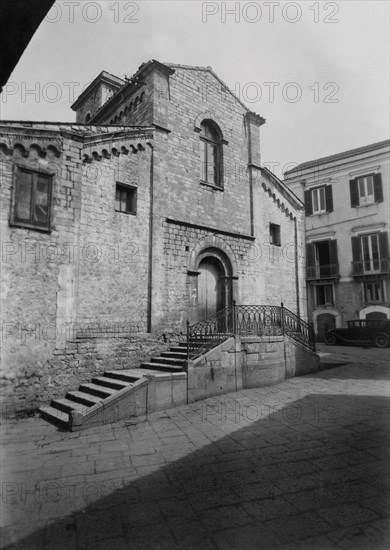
338 156
290 195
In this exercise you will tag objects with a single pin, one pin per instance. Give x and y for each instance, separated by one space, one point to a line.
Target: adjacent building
151 209
346 200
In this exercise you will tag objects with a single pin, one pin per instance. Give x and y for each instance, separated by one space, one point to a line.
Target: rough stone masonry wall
192 97
113 269
94 349
34 266
176 289
272 275
266 273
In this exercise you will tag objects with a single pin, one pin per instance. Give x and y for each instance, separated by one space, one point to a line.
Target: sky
318 72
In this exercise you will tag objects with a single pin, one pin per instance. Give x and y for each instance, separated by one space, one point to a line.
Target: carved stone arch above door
221 247
212 276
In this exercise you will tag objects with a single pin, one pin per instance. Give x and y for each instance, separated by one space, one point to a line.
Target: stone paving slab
300 465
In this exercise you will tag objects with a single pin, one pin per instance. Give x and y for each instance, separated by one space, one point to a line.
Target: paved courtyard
300 465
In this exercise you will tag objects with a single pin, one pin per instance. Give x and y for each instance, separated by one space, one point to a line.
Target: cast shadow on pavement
305 474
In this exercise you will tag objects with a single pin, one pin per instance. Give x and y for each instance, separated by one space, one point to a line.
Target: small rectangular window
126 199
31 199
274 234
324 295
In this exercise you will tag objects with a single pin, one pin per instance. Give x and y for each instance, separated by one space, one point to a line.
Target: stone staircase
114 395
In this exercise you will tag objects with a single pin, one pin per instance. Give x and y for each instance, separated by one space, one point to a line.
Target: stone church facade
150 210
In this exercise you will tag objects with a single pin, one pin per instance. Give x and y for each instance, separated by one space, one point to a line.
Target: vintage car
365 332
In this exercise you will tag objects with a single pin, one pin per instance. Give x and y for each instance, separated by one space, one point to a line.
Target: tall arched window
210 154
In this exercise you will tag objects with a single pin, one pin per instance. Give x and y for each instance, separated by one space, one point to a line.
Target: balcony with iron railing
371 266
317 271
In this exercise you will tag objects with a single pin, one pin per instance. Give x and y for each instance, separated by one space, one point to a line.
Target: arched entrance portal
211 296
214 283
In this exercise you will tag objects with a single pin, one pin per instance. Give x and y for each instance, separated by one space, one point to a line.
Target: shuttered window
319 200
366 190
324 295
31 199
370 253
373 292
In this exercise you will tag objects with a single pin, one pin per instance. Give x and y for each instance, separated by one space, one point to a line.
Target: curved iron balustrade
247 320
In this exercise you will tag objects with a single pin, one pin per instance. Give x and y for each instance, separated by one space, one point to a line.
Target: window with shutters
366 190
126 199
373 292
319 200
210 155
324 295
370 254
322 260
31 200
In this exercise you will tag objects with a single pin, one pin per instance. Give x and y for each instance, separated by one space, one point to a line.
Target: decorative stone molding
210 242
368 228
363 171
321 236
207 115
30 146
96 152
281 205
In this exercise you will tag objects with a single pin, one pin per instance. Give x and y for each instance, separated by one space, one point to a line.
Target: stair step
96 389
168 361
161 366
179 349
55 416
175 354
83 398
67 405
110 382
127 376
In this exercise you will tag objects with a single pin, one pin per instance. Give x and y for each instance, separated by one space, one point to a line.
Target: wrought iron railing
247 320
330 271
298 329
371 266
258 320
210 332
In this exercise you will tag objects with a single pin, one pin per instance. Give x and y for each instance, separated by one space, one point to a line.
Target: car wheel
330 339
381 341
